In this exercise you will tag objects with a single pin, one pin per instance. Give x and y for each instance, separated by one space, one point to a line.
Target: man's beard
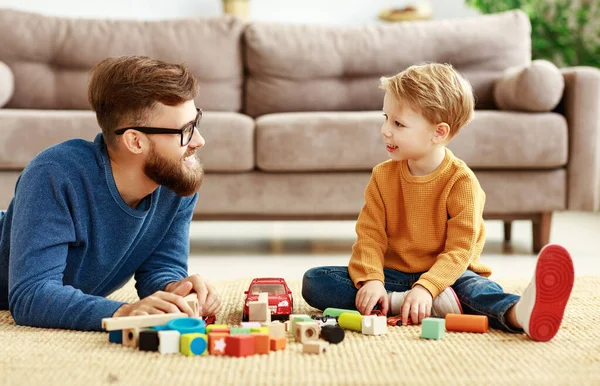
182 180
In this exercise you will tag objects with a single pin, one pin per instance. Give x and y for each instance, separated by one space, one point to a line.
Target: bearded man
88 216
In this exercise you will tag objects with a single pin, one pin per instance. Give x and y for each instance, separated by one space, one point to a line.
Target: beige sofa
292 112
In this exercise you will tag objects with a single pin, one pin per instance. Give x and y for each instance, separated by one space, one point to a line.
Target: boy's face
407 134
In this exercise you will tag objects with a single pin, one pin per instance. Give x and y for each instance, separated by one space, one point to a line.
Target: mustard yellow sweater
430 224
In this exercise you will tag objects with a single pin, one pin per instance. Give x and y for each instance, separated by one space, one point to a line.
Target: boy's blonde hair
437 91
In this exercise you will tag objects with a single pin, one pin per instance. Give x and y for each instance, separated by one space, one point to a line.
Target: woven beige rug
40 356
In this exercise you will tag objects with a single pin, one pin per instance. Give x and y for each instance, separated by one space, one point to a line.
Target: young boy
421 230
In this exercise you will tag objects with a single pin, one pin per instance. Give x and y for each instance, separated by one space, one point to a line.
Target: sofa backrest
324 68
51 56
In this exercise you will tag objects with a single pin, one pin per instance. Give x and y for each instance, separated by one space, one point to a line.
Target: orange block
278 343
240 345
261 343
217 342
466 323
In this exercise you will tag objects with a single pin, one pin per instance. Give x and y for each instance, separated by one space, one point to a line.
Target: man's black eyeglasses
186 132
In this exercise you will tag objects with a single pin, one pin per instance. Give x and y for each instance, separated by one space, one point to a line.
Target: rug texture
57 357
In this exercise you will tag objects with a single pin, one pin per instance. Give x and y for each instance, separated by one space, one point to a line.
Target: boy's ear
441 134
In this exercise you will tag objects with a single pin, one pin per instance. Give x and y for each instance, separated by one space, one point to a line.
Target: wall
306 11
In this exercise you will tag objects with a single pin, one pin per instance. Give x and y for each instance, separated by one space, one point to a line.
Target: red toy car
281 302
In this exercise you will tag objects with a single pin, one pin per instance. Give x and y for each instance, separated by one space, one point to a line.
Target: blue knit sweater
68 239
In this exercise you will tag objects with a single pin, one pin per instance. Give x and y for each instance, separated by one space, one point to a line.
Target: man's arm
168 262
369 249
464 232
42 228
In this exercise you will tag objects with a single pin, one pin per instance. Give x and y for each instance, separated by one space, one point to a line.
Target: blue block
187 325
115 336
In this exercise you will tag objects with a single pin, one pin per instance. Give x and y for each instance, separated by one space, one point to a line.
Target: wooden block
433 328
169 342
192 300
115 336
130 337
277 343
374 325
259 312
288 325
277 329
148 340
194 344
298 318
217 328
217 343
239 345
123 322
260 330
307 331
263 297
315 347
261 343
250 324
239 331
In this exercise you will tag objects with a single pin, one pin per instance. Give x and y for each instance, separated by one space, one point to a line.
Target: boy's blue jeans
324 287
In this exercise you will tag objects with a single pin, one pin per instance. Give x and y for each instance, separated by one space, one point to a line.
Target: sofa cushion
535 87
24 133
327 141
51 56
7 80
333 68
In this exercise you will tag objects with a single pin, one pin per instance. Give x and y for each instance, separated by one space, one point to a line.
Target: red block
217 343
240 345
261 343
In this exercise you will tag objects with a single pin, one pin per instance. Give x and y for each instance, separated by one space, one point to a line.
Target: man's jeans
324 287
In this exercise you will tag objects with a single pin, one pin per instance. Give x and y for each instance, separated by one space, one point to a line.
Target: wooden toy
298 318
115 336
279 299
169 342
194 344
374 325
187 325
287 324
261 343
307 331
148 340
433 328
217 342
251 324
315 347
277 343
350 321
259 312
123 322
239 331
332 334
276 329
240 345
217 328
336 312
192 301
130 337
467 323
263 297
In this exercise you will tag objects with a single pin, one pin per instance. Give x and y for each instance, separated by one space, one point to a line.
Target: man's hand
160 302
371 293
417 304
209 302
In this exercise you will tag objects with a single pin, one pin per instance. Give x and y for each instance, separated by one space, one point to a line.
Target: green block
433 328
299 318
336 312
239 331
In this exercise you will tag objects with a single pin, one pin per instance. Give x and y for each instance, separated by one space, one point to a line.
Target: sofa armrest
581 107
7 84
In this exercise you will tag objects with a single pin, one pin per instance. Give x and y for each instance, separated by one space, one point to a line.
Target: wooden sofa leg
541 230
507 231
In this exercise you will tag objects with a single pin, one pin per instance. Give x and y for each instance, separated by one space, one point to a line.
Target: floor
233 250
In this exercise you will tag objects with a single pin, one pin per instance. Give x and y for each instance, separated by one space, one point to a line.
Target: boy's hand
160 302
417 305
209 302
371 293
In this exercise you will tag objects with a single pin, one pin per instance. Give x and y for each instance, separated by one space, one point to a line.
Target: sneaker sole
554 278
